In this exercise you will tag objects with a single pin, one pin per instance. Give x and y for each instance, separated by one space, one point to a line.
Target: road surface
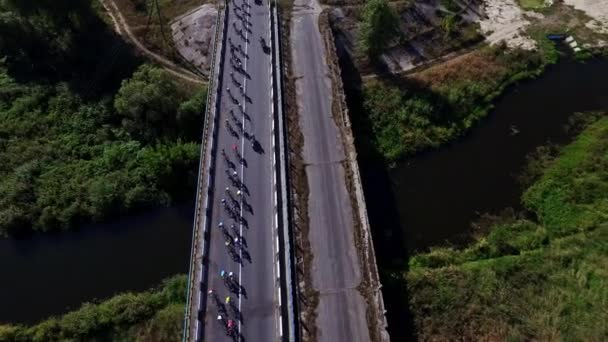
336 273
258 303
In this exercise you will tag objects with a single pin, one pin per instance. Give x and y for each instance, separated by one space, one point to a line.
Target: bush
158 313
379 26
87 165
426 110
523 280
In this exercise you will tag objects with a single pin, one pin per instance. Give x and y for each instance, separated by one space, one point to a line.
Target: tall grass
155 315
524 280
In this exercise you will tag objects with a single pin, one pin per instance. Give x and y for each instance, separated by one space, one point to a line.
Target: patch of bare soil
193 35
504 21
149 20
595 9
123 28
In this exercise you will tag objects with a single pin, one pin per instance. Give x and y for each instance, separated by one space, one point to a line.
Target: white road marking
242 165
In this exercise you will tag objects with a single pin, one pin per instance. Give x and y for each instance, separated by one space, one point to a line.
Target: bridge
240 283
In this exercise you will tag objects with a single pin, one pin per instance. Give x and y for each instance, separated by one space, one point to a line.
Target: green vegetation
525 280
155 315
532 4
413 113
65 161
147 104
71 151
450 5
379 26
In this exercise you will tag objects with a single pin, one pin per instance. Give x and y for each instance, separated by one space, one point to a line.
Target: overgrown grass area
408 114
155 315
525 280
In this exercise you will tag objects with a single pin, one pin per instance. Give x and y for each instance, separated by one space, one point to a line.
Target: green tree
190 115
148 104
380 25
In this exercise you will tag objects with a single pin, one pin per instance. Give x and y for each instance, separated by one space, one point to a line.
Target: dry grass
474 66
150 24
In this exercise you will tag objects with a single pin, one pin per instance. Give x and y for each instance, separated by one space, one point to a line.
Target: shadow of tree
65 42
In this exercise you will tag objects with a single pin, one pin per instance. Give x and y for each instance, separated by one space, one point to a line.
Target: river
433 198
424 201
438 194
50 274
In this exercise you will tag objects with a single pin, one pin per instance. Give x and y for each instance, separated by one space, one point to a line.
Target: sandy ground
505 21
596 9
193 33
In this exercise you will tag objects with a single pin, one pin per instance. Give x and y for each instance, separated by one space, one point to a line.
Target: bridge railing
201 211
288 326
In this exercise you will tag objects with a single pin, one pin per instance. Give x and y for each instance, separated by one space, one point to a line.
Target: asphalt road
336 273
256 273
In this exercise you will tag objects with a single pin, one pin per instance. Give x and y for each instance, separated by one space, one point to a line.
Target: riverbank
154 315
478 173
57 272
409 114
526 279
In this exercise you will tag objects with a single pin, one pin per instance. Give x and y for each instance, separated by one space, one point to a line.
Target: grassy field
527 280
155 315
532 4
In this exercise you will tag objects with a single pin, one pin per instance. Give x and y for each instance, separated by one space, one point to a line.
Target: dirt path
122 28
111 14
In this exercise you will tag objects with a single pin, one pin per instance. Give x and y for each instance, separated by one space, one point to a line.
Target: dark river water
50 274
433 198
438 194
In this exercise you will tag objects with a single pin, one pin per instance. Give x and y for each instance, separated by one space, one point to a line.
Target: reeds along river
433 198
48 274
